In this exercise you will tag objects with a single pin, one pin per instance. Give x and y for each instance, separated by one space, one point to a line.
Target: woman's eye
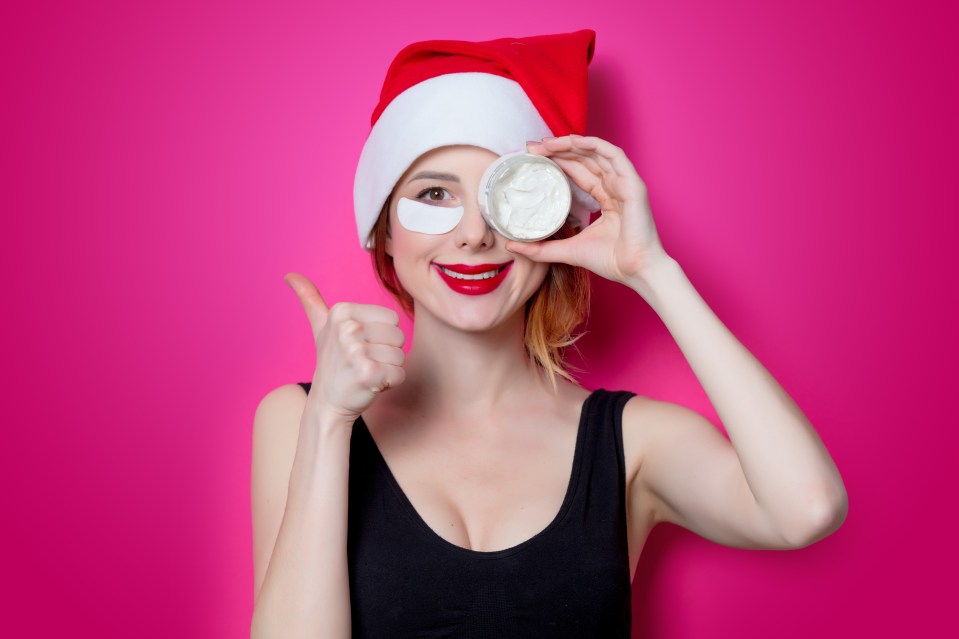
434 194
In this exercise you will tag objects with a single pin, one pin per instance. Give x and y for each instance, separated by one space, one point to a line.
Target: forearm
790 472
305 592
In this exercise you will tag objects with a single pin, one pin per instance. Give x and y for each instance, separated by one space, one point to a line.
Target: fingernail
532 141
549 137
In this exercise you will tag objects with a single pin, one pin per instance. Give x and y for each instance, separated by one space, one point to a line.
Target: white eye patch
426 218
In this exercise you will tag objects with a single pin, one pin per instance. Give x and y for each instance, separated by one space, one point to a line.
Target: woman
473 488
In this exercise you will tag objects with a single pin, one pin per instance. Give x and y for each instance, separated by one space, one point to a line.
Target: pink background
164 164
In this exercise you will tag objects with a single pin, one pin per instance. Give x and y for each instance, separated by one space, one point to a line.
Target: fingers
368 331
392 355
608 164
602 150
376 366
359 355
358 350
547 251
392 376
588 178
597 164
381 333
313 303
318 311
363 313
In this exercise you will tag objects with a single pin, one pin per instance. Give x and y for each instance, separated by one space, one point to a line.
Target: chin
472 314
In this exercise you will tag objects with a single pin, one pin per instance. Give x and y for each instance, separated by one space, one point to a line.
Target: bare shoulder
276 429
648 421
276 425
640 408
278 406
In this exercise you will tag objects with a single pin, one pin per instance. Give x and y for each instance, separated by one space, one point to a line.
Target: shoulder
651 425
282 401
651 420
277 419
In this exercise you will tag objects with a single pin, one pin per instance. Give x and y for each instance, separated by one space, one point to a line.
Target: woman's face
439 269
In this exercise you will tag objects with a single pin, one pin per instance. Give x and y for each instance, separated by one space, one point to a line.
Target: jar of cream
524 196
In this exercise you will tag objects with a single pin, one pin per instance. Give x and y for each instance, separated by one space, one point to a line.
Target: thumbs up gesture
358 351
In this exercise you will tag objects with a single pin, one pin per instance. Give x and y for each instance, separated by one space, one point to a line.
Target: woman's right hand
358 352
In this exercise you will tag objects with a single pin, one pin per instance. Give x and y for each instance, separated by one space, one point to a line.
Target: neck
469 372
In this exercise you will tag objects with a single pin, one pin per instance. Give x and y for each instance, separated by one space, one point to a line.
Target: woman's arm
775 484
305 590
300 481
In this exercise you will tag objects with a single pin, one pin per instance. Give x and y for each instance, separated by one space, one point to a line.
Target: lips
474 285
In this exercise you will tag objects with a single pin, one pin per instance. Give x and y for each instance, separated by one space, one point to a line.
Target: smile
473 279
464 276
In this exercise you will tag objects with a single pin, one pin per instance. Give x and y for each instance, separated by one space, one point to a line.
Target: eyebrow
431 175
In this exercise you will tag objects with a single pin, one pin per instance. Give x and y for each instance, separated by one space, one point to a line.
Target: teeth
478 276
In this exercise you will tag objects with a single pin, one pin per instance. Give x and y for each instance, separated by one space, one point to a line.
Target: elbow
824 516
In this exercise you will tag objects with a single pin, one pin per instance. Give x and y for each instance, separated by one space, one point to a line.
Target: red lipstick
473 286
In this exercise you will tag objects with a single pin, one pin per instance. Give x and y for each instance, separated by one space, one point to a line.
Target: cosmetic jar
524 196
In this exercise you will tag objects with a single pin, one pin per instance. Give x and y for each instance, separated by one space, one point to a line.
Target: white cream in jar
524 196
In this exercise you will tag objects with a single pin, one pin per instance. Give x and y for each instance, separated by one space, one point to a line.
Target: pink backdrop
165 163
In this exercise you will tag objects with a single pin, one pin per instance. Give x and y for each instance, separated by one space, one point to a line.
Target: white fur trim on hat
479 109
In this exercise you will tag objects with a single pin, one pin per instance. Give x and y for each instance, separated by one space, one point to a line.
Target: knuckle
349 328
365 370
356 349
340 311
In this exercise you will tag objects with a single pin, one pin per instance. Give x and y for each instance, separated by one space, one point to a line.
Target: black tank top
569 580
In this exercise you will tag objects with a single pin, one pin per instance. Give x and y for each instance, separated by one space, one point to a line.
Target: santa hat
495 94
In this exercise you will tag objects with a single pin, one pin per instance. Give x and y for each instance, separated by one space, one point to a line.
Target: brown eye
433 194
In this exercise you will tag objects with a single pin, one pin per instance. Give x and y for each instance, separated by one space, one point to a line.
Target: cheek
536 275
407 245
538 272
397 238
410 252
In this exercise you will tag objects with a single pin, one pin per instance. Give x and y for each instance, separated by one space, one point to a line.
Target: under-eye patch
427 218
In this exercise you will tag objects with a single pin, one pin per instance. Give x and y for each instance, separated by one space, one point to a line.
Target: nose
473 232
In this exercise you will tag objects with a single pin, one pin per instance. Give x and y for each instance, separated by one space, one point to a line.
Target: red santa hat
495 95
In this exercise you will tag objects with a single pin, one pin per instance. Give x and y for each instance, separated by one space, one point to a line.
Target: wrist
321 458
656 277
327 421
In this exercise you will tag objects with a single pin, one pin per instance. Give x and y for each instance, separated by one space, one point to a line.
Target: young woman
472 487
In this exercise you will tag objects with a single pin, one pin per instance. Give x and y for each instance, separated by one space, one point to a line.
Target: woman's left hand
622 243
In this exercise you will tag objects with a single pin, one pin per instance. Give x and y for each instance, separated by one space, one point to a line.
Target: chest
516 536
485 493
